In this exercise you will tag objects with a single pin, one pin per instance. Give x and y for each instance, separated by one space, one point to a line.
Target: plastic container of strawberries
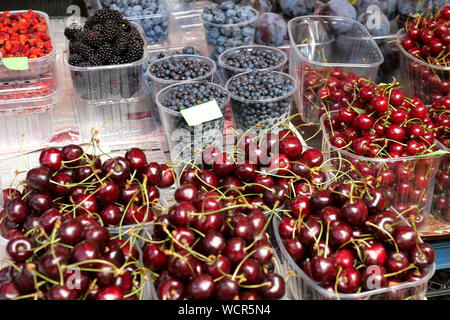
441 209
26 111
407 202
36 66
147 22
120 81
302 287
418 78
320 43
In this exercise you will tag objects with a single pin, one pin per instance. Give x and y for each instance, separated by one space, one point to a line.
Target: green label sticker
202 113
16 63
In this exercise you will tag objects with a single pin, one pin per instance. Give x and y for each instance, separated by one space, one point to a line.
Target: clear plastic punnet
155 26
407 199
418 78
302 287
264 114
321 43
441 207
111 81
230 70
221 37
26 111
159 83
116 119
186 142
36 66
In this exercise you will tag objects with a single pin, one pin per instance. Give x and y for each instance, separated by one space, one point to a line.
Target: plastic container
155 26
441 207
186 142
230 71
245 112
320 43
230 35
302 287
109 82
26 111
409 199
418 78
159 84
115 119
36 66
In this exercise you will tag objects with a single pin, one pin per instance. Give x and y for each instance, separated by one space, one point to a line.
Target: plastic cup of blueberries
170 64
221 37
186 142
276 59
264 114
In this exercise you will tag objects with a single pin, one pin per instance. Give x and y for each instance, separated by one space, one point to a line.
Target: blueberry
271 29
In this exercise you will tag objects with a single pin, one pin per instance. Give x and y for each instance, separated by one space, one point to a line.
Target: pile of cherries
350 243
212 244
428 39
384 128
440 113
327 89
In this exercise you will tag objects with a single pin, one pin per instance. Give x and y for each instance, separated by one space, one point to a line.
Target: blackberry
93 38
83 49
73 32
103 15
110 30
135 36
90 22
135 52
95 60
115 60
125 25
120 45
105 52
75 59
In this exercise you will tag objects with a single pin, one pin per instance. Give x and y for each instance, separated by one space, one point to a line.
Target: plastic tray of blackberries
321 45
106 59
26 111
186 141
252 57
225 28
42 35
260 100
152 15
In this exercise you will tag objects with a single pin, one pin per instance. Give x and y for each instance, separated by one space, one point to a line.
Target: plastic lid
30 94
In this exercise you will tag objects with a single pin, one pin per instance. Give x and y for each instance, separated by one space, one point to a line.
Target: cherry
243 229
153 257
375 201
264 251
181 214
84 251
354 212
111 214
344 258
291 147
396 261
312 158
209 155
98 235
234 250
213 242
171 289
405 238
246 172
210 221
395 132
226 289
51 158
373 277
249 295
130 192
330 214
218 267
62 293
109 193
276 194
110 293
186 193
86 203
71 153
105 274
252 271
19 248
348 280
40 202
10 193
295 248
201 288
9 291
48 219
16 210
124 282
323 270
167 177
375 254
422 255
300 206
136 215
182 265
263 183
340 233
309 235
288 228
276 287
86 221
207 180
51 261
279 164
117 168
258 220
223 165
136 158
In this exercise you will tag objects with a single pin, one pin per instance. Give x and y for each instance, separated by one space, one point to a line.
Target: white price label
202 113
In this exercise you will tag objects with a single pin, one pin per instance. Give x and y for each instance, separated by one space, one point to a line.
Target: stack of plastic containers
27 98
114 99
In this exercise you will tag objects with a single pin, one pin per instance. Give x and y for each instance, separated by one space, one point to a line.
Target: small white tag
202 113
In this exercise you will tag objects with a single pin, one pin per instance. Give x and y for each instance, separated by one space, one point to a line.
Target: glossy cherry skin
201 288
16 210
136 215
71 153
296 248
181 214
60 184
423 255
234 250
252 271
208 157
291 147
354 213
71 232
48 263
207 180
39 179
218 267
62 293
257 219
213 243
109 193
340 233
277 194
40 202
396 261
276 288
323 270
320 200
264 252
187 192
10 193
171 289
98 235
223 165
19 248
405 237
110 293
111 214
130 192
349 280
226 289
243 229
245 172
118 168
86 250
182 265
86 203
51 158
344 258
210 221
375 255
300 206
167 177
136 158
48 219
9 291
